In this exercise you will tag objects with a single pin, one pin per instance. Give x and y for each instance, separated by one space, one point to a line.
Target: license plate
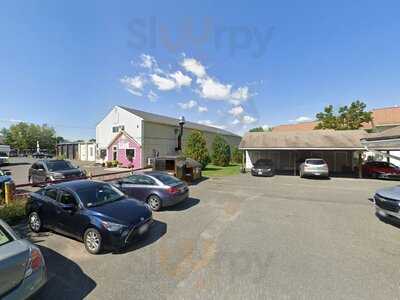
143 228
317 174
259 173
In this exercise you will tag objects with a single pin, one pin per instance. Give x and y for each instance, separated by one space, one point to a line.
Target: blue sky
236 64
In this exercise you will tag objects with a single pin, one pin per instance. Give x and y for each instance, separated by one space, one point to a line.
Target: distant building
128 132
84 151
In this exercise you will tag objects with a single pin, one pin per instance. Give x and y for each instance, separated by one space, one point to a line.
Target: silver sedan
22 267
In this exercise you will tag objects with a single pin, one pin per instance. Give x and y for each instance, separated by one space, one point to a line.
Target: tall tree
347 117
23 136
196 148
221 152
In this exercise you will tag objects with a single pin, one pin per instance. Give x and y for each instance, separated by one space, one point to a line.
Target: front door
115 152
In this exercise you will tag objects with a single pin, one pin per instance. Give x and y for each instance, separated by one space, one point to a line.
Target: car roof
75 185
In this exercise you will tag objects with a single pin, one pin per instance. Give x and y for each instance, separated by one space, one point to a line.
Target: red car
381 169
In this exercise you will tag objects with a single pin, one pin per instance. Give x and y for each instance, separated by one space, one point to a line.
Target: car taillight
34 263
173 190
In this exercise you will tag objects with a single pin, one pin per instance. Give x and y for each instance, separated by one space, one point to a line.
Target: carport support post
360 164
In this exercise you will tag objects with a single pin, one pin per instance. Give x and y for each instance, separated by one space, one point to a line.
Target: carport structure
386 143
341 149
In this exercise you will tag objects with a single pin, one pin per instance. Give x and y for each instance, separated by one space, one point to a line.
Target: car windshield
4 236
3 154
99 194
315 161
263 163
166 179
59 165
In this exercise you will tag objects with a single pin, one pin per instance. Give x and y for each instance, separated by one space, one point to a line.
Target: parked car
5 176
314 167
155 188
387 202
380 169
41 155
263 167
22 266
94 212
53 170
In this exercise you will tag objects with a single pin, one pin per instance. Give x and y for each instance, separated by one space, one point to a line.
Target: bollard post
8 193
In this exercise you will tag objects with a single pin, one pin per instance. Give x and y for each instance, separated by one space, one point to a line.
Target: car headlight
111 226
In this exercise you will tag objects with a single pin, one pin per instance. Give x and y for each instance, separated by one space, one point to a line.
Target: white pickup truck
4 154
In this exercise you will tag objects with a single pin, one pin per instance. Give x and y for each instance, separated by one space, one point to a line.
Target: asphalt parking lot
244 237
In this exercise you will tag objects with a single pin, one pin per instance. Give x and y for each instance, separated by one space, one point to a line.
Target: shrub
115 163
221 152
196 148
237 155
14 212
109 164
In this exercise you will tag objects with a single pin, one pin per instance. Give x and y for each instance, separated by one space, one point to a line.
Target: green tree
257 129
196 148
237 155
23 136
347 118
221 152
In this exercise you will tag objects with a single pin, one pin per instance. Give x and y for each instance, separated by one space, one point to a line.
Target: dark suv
53 170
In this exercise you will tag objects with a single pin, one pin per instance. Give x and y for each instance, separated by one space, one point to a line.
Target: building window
130 153
118 128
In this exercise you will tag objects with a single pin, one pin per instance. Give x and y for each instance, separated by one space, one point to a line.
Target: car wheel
154 202
374 175
93 241
34 222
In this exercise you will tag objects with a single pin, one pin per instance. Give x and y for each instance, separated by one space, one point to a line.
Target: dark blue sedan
157 189
92 211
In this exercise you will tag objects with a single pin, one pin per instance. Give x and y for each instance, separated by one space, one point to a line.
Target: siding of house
162 139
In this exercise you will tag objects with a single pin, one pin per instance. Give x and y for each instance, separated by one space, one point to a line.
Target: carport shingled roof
172 121
317 139
393 133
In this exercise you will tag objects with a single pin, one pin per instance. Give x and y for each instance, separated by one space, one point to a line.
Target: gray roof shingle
150 117
316 139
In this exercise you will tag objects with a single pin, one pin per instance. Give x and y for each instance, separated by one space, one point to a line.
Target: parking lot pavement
244 237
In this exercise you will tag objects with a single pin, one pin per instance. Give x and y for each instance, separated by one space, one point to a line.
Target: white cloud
241 94
194 66
188 105
181 79
148 61
248 119
211 123
134 85
202 109
266 127
302 119
152 96
236 111
235 122
163 83
214 90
